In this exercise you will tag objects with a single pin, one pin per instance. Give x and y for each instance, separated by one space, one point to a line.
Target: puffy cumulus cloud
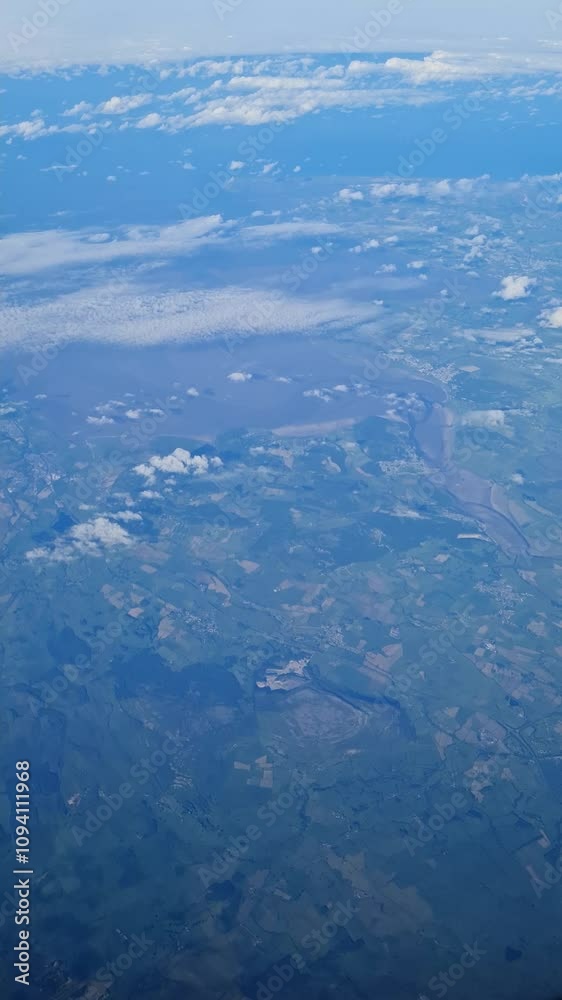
428 189
125 313
396 189
91 538
492 419
153 120
214 67
36 128
274 101
439 67
179 462
323 394
30 252
275 91
99 421
367 245
348 194
239 377
99 531
447 67
552 318
514 287
127 515
360 67
121 105
82 108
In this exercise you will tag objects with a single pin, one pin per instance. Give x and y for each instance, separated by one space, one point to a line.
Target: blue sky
78 31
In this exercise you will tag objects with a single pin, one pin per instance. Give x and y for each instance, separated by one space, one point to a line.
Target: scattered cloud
121 105
153 120
492 419
92 538
179 462
552 318
99 421
348 194
514 287
396 189
127 515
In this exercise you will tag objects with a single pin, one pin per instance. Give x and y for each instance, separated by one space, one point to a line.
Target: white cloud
239 376
347 195
446 67
127 515
439 67
99 421
492 419
428 189
289 230
126 313
396 189
273 100
552 318
367 245
35 128
236 165
153 120
121 105
179 462
29 252
83 107
323 394
500 335
90 538
359 67
515 287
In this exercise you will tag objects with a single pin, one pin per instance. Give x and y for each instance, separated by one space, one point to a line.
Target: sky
79 31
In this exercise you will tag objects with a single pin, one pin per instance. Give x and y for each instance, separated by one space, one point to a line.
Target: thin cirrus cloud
27 253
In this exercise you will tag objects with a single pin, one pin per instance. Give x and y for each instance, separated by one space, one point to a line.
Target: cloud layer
125 313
